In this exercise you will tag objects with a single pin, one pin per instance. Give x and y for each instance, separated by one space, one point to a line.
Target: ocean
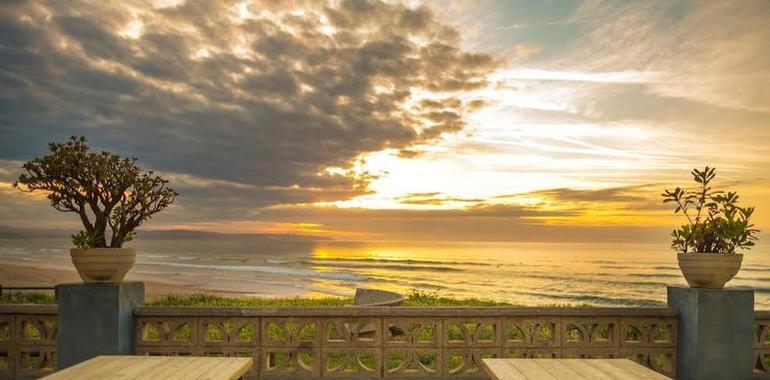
530 274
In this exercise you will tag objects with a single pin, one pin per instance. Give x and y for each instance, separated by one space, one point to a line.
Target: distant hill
7 232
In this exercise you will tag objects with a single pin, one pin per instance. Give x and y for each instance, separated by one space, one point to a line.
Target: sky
472 120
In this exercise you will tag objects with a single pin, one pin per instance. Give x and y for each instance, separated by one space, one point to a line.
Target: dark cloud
644 197
267 101
434 198
614 194
480 223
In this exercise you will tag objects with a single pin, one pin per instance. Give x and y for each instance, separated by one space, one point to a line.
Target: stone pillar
716 332
96 319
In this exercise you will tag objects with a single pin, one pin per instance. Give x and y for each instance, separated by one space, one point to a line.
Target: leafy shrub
103 189
715 222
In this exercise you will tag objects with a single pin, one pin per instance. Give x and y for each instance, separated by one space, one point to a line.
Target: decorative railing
371 342
27 341
762 345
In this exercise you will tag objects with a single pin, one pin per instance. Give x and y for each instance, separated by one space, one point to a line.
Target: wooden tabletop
156 367
568 369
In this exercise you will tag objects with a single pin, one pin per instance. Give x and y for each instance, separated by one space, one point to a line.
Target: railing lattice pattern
762 344
27 341
406 342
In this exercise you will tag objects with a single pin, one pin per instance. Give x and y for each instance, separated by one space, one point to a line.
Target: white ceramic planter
709 270
103 265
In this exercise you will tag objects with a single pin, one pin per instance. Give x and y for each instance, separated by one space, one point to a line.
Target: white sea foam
153 256
297 272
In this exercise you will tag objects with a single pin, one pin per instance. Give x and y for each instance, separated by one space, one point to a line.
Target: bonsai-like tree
104 189
715 222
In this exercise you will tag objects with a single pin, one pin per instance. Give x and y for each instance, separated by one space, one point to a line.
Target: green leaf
724 228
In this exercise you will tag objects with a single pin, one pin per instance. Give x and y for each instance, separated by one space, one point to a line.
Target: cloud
257 99
614 194
525 51
574 76
712 52
435 199
480 223
637 206
243 104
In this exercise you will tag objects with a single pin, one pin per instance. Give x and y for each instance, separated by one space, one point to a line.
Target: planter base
103 265
709 270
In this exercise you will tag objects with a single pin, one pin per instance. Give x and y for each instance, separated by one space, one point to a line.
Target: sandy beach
13 274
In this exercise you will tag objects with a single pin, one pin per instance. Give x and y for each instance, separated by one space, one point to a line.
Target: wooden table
156 367
567 369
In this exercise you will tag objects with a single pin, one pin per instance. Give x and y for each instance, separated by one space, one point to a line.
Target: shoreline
19 275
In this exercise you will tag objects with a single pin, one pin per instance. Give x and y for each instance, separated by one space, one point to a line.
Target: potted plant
105 191
716 228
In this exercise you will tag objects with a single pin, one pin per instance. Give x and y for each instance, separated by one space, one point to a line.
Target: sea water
532 274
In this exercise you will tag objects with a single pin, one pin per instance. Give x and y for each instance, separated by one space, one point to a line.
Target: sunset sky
417 120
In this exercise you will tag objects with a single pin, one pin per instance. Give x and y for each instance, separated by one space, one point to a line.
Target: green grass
423 299
416 298
23 297
241 301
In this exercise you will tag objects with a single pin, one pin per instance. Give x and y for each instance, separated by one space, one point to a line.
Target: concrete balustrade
716 330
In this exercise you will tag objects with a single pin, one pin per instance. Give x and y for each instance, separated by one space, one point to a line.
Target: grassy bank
414 299
24 297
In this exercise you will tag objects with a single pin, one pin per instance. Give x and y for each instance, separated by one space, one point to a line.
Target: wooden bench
156 367
568 369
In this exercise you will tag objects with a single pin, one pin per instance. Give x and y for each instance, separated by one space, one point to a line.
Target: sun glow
324 114
503 155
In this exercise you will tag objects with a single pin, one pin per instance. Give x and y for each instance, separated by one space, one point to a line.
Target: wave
755 269
389 266
761 289
595 299
408 284
29 259
599 277
13 251
402 261
575 280
144 255
298 272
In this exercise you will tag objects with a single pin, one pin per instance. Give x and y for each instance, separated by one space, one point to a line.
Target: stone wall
373 342
397 342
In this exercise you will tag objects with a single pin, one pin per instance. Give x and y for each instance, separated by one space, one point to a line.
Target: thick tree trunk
100 225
